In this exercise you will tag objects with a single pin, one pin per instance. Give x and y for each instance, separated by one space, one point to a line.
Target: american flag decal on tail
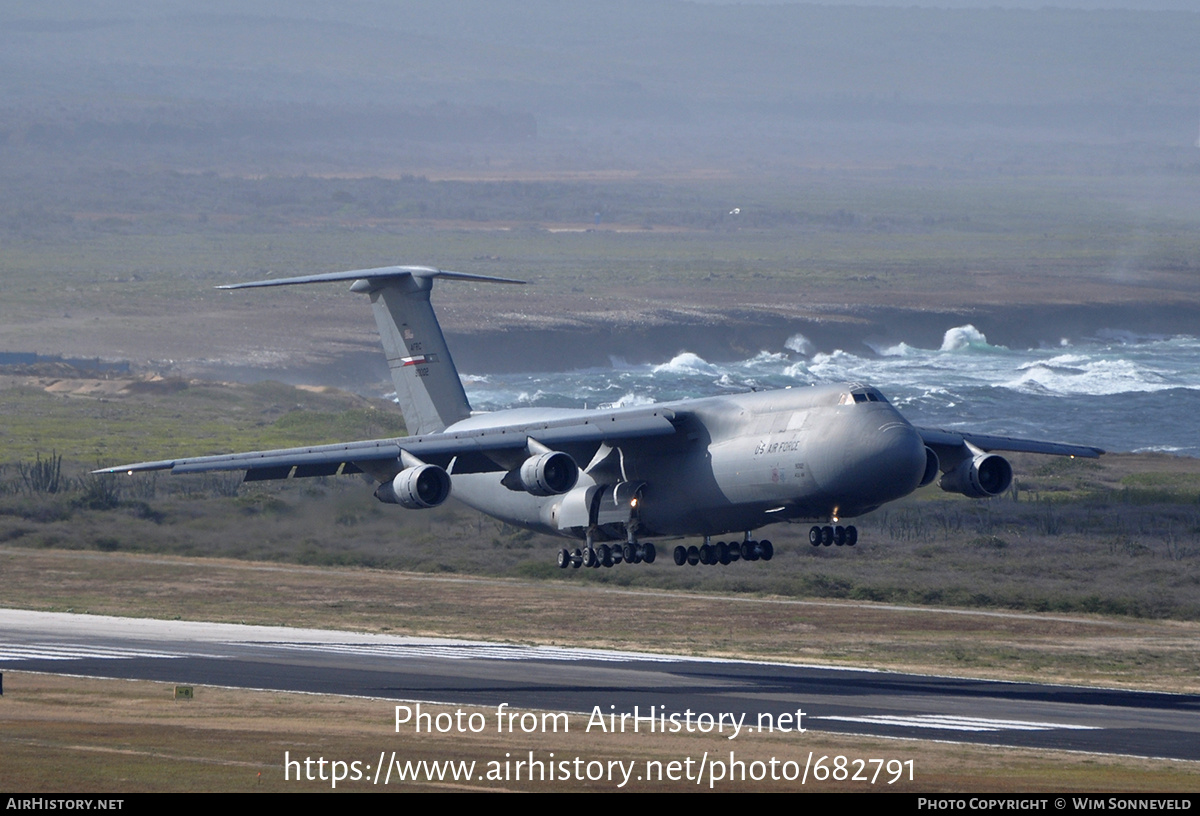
419 360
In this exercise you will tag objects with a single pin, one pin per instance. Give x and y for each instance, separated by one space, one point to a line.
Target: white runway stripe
11 652
473 652
947 722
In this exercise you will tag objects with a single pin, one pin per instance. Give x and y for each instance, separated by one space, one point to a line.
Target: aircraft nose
887 464
901 457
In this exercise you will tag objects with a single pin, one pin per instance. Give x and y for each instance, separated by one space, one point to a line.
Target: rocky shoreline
718 337
738 334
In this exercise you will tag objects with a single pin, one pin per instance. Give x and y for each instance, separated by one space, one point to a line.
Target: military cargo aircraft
613 478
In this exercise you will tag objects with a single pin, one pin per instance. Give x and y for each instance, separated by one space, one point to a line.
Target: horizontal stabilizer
380 274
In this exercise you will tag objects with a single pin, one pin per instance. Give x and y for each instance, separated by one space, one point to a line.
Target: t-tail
428 388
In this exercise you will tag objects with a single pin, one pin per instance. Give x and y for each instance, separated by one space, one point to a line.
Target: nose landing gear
827 536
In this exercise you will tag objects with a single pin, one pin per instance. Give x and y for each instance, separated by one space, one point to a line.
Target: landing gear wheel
839 536
814 536
723 552
766 549
564 559
851 536
693 555
681 555
648 553
827 535
747 551
630 551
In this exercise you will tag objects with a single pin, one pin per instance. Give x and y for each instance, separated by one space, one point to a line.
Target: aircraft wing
473 451
937 438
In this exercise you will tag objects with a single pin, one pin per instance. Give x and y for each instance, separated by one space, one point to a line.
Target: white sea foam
1097 390
800 344
686 363
965 338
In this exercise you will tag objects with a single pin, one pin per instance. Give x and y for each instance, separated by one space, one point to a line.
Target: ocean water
1117 390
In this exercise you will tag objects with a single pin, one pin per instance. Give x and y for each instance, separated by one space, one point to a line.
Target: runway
847 701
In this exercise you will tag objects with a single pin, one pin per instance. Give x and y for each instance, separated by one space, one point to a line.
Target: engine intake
416 488
931 467
980 478
549 474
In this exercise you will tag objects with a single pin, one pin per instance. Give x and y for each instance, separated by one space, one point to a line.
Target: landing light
633 502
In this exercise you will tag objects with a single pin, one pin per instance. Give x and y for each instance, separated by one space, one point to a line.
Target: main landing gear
826 536
722 553
607 556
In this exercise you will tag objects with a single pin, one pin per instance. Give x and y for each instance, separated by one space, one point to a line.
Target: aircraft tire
693 555
564 559
747 550
589 557
648 553
705 553
814 536
629 552
839 536
723 552
766 549
681 555
851 536
827 536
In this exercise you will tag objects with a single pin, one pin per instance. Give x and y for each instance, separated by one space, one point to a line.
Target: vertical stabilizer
428 389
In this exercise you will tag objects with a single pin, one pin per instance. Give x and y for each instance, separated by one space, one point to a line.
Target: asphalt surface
1104 721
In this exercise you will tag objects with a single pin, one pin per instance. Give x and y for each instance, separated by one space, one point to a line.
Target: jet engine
984 476
931 467
416 487
548 474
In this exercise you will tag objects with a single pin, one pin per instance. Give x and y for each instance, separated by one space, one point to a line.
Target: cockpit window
865 395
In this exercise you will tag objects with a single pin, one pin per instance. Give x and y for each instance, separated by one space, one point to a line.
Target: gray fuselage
737 463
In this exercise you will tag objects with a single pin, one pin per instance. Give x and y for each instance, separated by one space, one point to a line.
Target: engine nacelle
932 465
416 488
549 474
980 478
